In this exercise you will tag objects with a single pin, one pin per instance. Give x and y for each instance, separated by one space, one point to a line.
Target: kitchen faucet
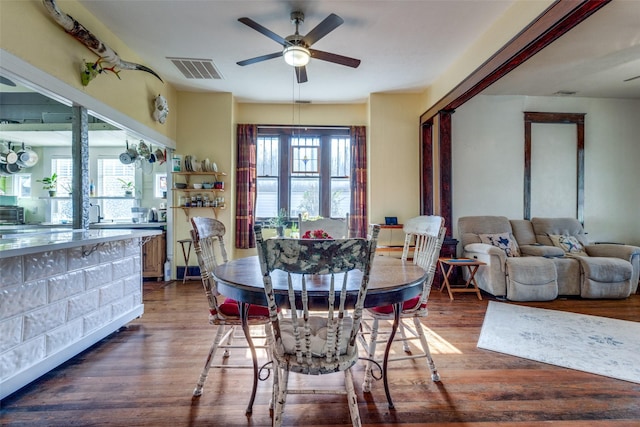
99 212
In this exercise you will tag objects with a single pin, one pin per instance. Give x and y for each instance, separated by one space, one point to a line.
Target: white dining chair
423 240
337 228
208 240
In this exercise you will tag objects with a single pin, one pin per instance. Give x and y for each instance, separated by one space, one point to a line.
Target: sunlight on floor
439 345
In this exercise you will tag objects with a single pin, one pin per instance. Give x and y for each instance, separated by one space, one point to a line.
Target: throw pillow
504 241
569 244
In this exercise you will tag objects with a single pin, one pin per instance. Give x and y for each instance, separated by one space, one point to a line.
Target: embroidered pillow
569 244
504 241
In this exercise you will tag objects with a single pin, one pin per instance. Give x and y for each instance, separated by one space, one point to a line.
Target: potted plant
67 187
127 186
280 222
50 183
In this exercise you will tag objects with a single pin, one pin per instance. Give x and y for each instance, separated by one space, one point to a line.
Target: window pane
61 211
64 169
340 197
267 198
160 185
22 185
267 163
340 157
110 172
117 209
305 196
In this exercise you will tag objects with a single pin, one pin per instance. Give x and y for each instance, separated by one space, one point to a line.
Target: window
160 186
62 209
304 171
109 183
22 185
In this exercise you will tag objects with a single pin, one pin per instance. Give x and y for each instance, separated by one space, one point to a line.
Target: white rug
598 345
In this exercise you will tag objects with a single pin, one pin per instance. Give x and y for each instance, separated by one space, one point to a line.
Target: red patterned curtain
358 214
246 186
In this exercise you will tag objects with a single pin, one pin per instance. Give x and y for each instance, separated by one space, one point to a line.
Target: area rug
598 345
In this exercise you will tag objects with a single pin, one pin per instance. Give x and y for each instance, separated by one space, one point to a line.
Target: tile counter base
55 304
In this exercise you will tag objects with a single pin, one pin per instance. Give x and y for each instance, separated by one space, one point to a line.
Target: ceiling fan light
296 56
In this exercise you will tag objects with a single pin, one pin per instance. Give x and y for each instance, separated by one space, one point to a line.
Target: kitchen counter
24 243
63 291
123 225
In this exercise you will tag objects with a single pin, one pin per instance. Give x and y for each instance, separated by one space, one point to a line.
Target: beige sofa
548 262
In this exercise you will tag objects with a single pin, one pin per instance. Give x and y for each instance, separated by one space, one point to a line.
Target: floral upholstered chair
311 342
423 239
208 240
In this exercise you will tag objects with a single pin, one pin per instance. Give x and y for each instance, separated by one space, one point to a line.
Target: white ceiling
403 45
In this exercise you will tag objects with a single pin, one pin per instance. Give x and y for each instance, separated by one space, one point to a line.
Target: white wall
488 160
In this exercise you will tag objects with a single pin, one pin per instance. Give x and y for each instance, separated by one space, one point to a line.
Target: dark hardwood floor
144 375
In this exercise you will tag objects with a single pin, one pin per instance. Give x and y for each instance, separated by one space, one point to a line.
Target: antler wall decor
84 36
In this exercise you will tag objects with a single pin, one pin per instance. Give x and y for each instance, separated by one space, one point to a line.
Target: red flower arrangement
316 234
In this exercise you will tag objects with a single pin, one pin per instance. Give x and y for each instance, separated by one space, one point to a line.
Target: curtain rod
301 127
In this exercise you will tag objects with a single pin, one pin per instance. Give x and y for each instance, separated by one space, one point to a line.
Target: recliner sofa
538 260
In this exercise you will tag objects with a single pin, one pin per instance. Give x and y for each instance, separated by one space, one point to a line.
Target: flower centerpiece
316 234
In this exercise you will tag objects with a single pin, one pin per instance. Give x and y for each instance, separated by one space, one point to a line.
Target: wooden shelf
195 190
200 173
186 209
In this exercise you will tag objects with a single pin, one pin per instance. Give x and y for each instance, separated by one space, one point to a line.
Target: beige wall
28 32
488 153
207 129
394 157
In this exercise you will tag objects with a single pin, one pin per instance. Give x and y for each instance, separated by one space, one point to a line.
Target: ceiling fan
297 48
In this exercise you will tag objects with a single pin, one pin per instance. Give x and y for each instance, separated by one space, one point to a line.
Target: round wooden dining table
391 281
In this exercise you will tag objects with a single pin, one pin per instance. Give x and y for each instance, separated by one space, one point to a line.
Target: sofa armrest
541 250
626 252
484 248
485 253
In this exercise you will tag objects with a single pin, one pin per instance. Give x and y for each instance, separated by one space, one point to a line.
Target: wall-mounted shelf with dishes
198 195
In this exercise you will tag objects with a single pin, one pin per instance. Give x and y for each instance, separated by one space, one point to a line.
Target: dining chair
337 228
208 240
423 240
305 340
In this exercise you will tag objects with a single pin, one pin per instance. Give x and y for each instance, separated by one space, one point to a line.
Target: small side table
471 264
186 253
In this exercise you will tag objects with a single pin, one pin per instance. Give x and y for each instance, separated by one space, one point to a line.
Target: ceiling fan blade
332 57
632 78
259 28
329 24
301 74
259 58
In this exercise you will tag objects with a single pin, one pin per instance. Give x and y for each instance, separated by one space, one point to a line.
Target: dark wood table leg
397 308
244 315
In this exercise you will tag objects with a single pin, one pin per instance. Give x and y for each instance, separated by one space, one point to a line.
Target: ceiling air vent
193 68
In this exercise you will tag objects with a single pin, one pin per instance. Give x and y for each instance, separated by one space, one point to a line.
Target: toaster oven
11 215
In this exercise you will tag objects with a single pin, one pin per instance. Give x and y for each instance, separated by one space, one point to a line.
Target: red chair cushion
230 308
388 309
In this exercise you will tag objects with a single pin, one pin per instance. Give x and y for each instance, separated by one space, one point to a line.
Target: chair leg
352 398
403 336
281 397
212 351
229 341
366 384
425 348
